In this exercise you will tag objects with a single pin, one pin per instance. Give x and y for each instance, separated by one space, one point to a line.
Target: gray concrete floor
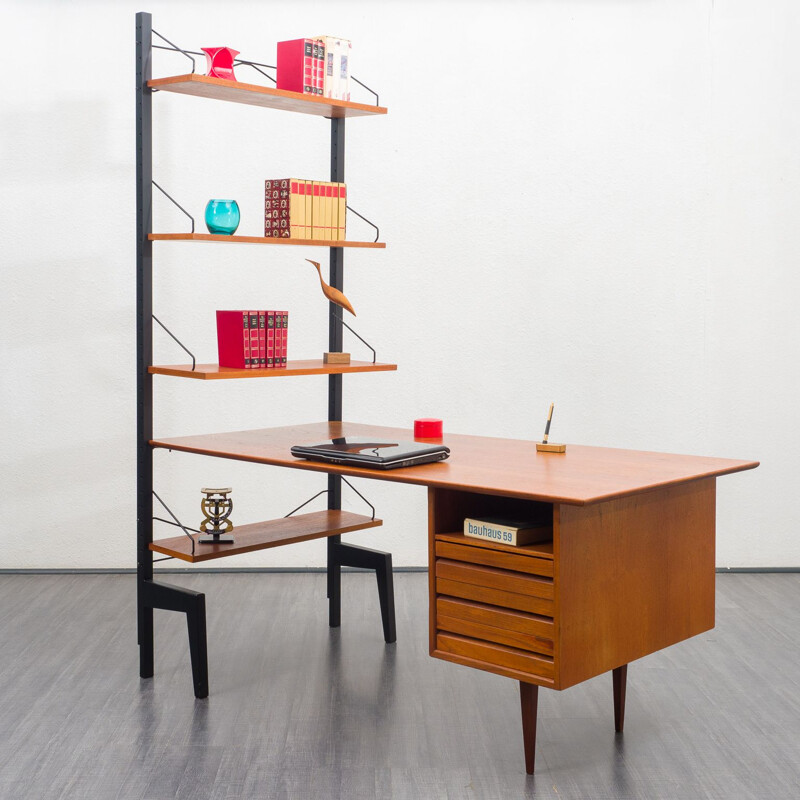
300 711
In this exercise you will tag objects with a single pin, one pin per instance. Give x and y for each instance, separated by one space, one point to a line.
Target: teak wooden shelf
254 95
214 372
261 535
211 237
329 524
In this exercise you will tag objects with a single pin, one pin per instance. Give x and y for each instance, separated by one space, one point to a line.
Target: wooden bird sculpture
334 295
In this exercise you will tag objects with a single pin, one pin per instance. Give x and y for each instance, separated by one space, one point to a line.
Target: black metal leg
351 555
145 642
173 598
386 595
198 648
334 584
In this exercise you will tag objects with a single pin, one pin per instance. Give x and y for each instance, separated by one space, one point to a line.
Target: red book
233 339
296 66
319 49
284 337
262 339
253 339
271 340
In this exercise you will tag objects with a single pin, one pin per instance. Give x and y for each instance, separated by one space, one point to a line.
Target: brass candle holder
216 526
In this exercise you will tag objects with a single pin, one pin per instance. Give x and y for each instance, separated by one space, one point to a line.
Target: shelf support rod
360 216
177 521
174 47
186 349
176 203
374 354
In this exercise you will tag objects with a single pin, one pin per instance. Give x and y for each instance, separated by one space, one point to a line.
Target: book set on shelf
304 209
317 66
252 339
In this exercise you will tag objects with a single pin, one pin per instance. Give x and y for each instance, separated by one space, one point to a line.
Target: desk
630 569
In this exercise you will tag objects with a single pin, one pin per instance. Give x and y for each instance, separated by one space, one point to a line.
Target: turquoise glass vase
222 216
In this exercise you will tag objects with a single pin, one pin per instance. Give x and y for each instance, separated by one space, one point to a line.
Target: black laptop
362 451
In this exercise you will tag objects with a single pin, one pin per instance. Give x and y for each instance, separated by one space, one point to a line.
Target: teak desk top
509 467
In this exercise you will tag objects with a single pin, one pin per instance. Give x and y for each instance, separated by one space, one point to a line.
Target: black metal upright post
149 593
339 553
144 338
335 342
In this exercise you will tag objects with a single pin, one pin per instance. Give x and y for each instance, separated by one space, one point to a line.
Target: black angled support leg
351 555
334 583
619 678
193 604
383 572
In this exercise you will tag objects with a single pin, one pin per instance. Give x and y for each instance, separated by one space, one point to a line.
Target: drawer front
494 597
495 558
495 610
493 578
479 621
507 658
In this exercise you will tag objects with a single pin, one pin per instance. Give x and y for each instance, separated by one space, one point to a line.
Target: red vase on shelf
219 62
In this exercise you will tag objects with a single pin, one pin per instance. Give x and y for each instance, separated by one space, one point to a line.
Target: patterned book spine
270 339
262 339
271 209
344 70
253 327
283 201
246 339
330 55
284 337
319 68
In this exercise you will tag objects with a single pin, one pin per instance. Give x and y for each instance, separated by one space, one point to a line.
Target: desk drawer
494 597
494 578
495 558
479 621
508 658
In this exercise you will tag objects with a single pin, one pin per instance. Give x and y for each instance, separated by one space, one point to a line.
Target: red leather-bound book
271 340
284 337
253 339
262 339
296 66
233 339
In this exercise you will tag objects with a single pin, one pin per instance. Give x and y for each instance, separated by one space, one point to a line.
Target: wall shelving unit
330 524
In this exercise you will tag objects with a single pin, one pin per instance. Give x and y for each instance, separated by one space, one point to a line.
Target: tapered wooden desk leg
529 699
619 676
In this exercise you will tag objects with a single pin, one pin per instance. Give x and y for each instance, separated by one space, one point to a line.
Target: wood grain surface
633 575
314 366
238 239
494 558
261 535
254 95
481 464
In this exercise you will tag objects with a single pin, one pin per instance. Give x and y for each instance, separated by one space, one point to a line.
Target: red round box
427 428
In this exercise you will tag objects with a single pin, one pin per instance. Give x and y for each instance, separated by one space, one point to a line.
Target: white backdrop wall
588 202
